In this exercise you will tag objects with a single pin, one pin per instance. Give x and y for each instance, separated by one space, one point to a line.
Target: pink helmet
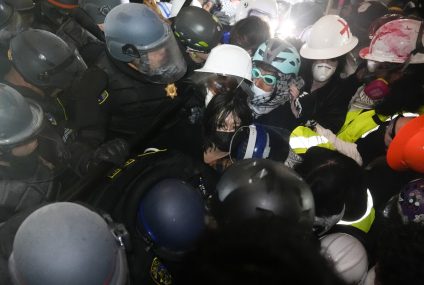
394 41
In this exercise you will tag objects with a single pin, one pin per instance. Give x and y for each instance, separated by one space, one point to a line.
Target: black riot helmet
21 5
197 29
20 119
98 9
66 243
57 11
45 60
6 11
135 33
256 187
10 22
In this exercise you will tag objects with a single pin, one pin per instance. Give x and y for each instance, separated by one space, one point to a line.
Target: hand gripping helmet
135 33
197 29
228 60
66 243
329 37
348 256
406 151
279 54
98 9
397 41
45 60
171 216
20 118
255 187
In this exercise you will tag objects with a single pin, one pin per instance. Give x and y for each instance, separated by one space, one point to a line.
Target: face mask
222 140
260 95
208 98
322 71
377 89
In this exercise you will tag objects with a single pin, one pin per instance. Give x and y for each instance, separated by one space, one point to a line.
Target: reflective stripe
370 131
406 114
365 222
307 142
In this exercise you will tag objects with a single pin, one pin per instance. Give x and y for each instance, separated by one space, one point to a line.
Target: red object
62 5
406 151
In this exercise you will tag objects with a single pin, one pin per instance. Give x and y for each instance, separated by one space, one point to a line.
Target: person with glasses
276 65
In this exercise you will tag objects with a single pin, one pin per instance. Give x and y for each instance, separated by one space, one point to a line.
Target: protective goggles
267 78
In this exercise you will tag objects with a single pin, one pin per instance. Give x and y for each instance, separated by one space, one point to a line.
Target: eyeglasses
267 78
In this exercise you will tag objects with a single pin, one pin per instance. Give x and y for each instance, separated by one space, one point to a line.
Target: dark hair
400 255
249 33
335 180
406 93
220 107
265 250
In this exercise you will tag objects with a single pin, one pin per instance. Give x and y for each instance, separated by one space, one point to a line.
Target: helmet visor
162 64
63 74
13 27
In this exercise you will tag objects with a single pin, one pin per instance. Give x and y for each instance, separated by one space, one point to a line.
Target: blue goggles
267 78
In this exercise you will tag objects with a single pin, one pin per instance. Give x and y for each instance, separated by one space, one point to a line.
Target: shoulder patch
160 275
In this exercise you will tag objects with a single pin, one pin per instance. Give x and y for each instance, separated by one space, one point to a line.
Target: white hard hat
260 8
329 37
348 255
228 60
394 41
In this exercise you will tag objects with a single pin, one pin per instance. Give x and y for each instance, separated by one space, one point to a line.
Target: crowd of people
211 142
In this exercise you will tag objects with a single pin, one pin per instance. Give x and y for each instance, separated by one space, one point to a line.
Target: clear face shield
63 74
163 63
13 27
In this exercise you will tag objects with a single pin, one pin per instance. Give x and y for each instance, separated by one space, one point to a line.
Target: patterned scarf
262 105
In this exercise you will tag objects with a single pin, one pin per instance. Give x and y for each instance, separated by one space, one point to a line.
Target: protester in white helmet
348 256
325 50
226 77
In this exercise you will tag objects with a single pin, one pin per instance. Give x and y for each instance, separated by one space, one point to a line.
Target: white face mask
209 96
260 95
323 70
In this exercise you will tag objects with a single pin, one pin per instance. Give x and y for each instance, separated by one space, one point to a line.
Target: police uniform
117 195
137 104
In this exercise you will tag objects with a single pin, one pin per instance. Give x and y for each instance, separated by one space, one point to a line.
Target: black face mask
222 140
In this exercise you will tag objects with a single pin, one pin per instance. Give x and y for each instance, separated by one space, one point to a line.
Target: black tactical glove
115 151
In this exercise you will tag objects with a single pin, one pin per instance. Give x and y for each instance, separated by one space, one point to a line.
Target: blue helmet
280 54
255 142
171 215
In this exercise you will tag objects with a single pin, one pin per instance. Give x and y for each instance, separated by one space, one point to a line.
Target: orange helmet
406 151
